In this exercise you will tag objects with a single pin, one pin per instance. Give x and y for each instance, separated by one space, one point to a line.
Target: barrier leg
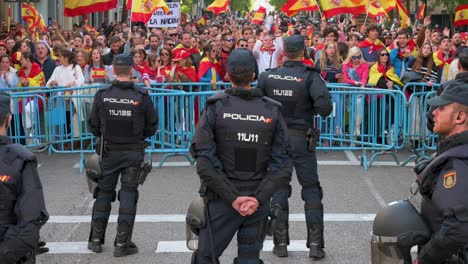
186 155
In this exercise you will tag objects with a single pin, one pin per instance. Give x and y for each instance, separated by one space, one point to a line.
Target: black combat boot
315 241
123 244
281 241
96 236
237 262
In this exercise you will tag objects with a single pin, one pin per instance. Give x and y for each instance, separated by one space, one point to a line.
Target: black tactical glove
41 248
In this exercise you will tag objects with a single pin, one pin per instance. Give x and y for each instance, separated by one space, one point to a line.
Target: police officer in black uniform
443 182
22 206
124 116
303 94
462 76
241 147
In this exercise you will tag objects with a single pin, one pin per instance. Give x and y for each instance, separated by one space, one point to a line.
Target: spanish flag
404 14
293 6
219 6
83 7
334 8
201 21
259 15
421 11
461 15
142 10
30 16
388 5
376 9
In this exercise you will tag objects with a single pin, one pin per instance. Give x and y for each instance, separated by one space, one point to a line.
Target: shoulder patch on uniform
450 179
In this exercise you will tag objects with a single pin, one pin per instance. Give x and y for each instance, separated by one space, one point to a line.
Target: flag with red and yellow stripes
461 15
292 7
404 14
219 6
421 11
32 18
142 10
82 7
259 15
334 7
376 9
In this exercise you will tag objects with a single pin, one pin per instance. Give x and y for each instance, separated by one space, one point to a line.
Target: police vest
12 158
122 115
290 87
244 134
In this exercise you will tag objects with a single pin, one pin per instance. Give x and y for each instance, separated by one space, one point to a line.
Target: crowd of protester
343 52
376 55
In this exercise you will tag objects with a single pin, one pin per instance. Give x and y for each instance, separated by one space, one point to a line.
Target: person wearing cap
242 151
123 116
462 76
303 94
22 207
388 38
443 182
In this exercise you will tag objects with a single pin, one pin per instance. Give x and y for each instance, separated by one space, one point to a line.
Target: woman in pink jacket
356 73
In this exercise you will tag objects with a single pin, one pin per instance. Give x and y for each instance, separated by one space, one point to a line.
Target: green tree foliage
278 3
240 5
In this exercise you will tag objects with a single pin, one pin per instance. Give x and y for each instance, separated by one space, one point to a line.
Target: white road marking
320 162
351 156
373 190
180 218
68 248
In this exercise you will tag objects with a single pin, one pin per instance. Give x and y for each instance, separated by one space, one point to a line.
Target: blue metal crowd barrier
379 121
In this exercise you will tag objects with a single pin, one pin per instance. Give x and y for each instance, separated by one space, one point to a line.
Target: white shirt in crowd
65 75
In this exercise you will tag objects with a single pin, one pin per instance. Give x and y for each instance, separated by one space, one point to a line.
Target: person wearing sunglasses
242 44
169 44
172 34
209 70
227 45
356 72
382 75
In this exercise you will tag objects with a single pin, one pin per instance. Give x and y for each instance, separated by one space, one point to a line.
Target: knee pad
312 188
134 192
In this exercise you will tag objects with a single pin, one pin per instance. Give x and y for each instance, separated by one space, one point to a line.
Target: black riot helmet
397 227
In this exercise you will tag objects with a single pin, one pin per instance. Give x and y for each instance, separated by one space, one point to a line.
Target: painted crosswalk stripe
178 218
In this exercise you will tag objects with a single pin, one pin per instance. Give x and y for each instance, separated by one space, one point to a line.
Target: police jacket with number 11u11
300 89
241 146
124 113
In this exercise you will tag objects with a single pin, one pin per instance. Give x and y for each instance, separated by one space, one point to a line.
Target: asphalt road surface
352 196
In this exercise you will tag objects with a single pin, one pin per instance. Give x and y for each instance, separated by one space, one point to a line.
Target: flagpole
367 15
